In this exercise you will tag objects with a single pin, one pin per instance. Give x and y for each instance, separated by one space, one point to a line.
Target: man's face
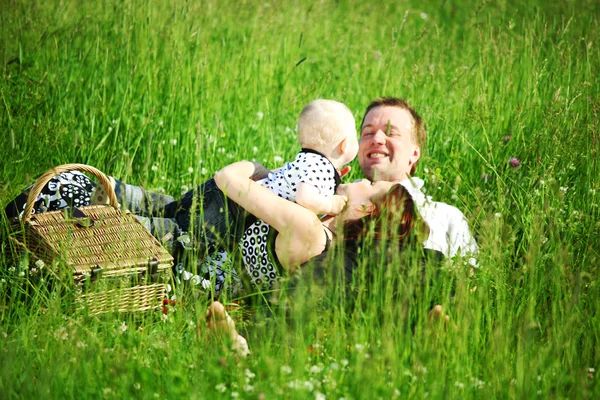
387 151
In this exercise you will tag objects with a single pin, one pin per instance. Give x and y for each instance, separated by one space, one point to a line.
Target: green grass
162 94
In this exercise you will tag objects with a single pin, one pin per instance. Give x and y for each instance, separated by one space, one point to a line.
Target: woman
384 209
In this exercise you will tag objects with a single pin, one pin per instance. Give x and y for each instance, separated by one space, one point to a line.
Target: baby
327 135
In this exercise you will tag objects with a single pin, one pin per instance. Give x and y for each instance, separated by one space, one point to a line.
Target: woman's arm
301 234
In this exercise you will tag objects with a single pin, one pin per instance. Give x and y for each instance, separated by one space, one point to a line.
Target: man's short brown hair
419 134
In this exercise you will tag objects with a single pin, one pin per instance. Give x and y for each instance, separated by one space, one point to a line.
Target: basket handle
45 178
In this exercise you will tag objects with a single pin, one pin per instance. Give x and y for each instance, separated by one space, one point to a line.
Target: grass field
162 94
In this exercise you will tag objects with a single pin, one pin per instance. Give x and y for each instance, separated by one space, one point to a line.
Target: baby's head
328 127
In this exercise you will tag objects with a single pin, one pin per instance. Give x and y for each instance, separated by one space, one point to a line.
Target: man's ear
416 154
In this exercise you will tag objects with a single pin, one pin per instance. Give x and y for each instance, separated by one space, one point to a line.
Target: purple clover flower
514 162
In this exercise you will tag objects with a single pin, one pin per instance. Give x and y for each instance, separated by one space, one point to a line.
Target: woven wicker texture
137 298
115 241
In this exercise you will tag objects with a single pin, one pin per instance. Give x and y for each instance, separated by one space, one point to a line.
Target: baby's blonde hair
324 123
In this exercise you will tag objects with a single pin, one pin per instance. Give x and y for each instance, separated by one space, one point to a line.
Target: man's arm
460 239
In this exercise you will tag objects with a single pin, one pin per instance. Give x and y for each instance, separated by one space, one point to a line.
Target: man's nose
379 137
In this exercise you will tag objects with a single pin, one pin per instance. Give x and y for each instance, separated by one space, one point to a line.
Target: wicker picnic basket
115 263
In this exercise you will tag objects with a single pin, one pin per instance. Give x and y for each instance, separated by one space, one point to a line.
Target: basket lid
106 238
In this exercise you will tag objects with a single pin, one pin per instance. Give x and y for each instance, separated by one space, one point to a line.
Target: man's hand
337 204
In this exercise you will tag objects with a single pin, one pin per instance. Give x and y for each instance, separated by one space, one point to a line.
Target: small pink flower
486 177
514 162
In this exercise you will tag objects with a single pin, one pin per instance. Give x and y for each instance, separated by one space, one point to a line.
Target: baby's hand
337 204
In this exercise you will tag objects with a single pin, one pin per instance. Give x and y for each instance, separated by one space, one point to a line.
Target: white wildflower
315 369
278 159
260 115
459 385
423 15
497 215
123 328
154 167
255 149
161 123
359 347
190 169
204 171
173 142
344 362
249 374
319 396
61 334
286 369
221 388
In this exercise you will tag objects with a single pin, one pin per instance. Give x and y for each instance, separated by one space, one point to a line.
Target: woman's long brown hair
394 218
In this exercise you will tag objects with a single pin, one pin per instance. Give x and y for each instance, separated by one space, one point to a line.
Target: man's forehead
395 117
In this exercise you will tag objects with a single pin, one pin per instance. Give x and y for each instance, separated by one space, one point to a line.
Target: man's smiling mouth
376 155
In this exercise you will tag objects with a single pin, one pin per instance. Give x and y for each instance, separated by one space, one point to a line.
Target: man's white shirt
448 229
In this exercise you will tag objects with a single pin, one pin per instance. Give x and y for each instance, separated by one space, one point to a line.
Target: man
391 139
